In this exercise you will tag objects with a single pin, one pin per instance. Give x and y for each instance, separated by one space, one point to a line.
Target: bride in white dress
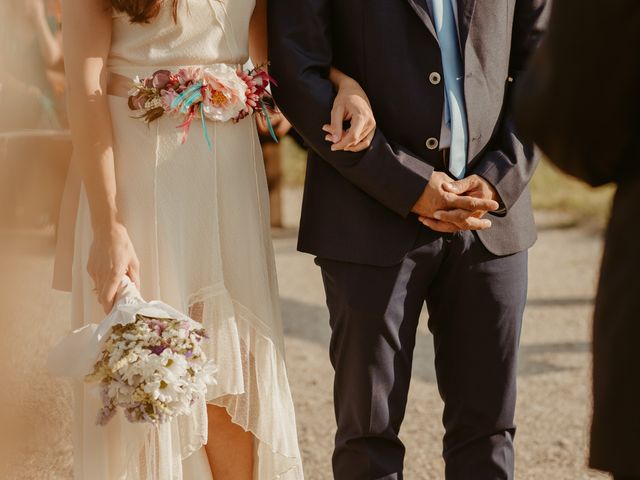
190 226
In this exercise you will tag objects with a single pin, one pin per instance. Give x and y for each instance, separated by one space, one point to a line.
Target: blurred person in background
272 153
580 102
34 152
31 65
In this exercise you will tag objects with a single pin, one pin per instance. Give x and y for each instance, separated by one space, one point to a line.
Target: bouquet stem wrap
145 357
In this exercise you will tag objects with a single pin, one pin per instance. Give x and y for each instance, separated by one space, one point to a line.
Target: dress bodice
205 32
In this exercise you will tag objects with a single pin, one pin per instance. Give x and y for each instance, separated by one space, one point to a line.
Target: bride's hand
111 257
351 104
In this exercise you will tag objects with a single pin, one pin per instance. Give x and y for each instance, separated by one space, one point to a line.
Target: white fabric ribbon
76 354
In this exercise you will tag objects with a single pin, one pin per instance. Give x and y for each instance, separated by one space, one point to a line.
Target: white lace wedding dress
198 219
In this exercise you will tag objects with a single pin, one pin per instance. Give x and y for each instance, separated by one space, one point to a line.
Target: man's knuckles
450 198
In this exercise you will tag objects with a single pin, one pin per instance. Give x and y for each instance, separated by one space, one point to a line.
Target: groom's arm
300 52
510 161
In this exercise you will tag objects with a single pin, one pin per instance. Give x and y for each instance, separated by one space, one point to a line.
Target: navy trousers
475 302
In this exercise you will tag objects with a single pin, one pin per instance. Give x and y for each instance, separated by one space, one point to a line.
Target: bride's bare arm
258 34
86 49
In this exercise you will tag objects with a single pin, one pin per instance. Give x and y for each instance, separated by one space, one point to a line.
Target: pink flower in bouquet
189 75
225 93
257 81
167 97
260 80
252 98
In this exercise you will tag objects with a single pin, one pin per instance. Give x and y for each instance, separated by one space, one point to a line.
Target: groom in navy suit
405 222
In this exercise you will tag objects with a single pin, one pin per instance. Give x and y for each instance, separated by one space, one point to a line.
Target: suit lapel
423 10
465 15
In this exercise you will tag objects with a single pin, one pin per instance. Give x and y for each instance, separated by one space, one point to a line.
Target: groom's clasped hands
450 206
446 205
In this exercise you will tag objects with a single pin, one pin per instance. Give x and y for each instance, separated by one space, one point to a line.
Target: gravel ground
553 404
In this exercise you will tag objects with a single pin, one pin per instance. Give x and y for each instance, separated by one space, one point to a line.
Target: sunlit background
35 429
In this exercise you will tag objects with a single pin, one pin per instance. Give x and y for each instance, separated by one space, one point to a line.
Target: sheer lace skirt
199 222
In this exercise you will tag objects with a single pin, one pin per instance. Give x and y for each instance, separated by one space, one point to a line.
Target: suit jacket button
432 143
435 78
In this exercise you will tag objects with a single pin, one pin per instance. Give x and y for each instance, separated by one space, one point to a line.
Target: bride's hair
143 11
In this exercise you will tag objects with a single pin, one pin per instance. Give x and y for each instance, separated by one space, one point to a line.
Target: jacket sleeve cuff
390 174
494 174
418 176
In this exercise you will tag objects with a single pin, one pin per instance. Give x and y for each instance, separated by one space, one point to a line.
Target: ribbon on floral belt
144 357
219 93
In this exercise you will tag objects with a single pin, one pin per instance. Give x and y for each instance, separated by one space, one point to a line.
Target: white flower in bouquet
225 96
144 358
152 368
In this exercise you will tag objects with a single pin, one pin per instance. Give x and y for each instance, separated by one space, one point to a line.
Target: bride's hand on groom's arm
350 105
446 205
450 206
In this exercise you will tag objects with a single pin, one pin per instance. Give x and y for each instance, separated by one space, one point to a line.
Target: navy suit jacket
357 206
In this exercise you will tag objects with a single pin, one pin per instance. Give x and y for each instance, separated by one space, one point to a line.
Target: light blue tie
453 69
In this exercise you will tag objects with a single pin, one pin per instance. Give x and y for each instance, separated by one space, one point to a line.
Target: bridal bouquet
144 357
153 368
218 93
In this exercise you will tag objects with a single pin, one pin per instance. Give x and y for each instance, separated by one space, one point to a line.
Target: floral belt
220 93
